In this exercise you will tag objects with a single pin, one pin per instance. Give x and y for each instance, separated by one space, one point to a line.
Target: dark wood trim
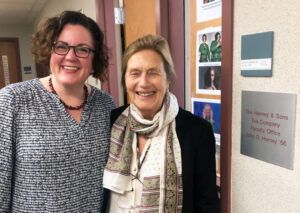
162 18
17 49
226 103
106 21
170 24
177 46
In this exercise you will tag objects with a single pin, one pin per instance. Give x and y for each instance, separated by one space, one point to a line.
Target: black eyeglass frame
74 48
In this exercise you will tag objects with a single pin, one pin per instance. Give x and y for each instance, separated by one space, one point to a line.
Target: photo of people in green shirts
209 46
204 50
216 48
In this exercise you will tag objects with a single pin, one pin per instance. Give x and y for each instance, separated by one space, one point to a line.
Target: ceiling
20 11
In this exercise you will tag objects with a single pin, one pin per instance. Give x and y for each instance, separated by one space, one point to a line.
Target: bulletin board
205 58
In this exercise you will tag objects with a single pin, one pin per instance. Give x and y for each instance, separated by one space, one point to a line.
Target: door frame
170 24
15 41
226 104
106 20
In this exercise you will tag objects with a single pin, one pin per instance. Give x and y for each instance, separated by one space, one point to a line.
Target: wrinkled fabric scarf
117 175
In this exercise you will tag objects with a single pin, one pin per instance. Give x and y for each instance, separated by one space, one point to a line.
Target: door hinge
119 15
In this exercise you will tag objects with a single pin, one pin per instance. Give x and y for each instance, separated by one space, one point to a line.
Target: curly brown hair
49 31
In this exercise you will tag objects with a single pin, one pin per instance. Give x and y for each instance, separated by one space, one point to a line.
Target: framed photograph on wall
210 110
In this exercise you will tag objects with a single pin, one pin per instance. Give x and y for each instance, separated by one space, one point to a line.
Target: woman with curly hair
211 79
54 131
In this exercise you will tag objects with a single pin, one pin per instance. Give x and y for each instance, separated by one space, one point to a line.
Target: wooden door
140 19
10 65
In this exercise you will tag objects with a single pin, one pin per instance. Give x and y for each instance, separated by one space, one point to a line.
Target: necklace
69 107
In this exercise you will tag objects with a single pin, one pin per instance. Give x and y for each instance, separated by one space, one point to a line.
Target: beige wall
257 186
23 33
54 7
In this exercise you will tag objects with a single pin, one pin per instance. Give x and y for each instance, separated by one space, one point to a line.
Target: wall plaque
257 54
268 127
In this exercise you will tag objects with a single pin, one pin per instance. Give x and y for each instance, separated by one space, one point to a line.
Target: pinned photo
210 110
208 10
208 80
209 46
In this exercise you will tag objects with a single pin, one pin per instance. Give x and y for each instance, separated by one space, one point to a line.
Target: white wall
257 186
23 33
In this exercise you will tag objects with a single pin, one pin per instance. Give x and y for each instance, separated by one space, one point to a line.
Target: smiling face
146 82
70 70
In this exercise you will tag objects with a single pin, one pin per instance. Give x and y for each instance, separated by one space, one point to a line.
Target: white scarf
161 129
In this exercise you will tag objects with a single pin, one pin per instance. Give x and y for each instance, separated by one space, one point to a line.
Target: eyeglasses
81 51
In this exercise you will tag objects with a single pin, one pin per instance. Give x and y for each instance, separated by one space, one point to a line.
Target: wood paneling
140 19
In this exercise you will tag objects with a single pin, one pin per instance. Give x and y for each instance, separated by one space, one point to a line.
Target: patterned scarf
161 129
